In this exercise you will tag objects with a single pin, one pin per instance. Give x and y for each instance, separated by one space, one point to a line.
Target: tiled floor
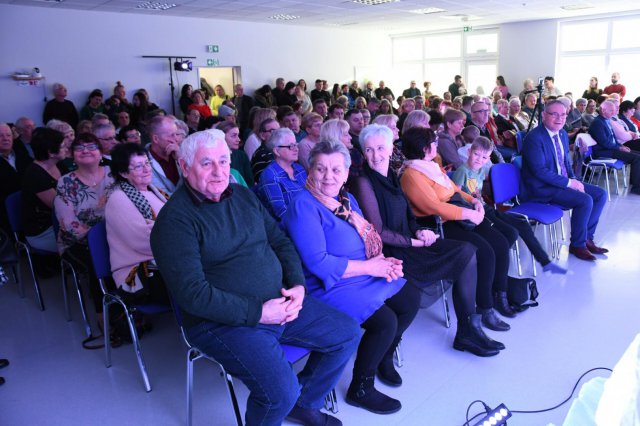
585 319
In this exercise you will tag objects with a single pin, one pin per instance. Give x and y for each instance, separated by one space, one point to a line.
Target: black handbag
522 294
457 200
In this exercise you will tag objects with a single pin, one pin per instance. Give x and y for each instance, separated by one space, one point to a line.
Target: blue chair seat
543 213
294 353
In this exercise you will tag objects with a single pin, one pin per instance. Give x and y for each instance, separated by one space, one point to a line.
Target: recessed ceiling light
155 5
462 17
340 24
577 6
284 17
428 10
374 2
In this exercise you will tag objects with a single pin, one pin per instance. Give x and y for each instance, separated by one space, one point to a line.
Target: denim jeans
254 355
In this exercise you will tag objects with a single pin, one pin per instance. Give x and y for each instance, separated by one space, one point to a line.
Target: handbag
522 294
457 200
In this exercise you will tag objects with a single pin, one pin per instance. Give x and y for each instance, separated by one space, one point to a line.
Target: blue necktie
556 143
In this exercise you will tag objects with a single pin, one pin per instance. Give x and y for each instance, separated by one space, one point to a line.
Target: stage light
183 66
496 417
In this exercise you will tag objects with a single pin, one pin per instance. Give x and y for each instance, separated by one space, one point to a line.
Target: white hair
206 139
373 130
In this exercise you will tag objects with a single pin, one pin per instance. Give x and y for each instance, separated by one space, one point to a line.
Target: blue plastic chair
99 249
505 183
603 164
292 353
13 205
520 140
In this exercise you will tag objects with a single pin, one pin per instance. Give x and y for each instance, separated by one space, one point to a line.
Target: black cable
568 398
486 408
533 411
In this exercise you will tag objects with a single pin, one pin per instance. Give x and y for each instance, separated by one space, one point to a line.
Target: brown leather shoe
581 253
593 248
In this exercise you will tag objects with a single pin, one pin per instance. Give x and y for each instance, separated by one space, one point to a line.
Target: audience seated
263 155
480 118
185 98
319 93
106 134
547 177
13 164
425 258
79 204
311 123
450 139
412 91
198 104
163 149
390 122
130 215
93 106
382 92
431 192
239 160
607 145
247 312
621 130
263 97
253 141
342 255
39 188
283 178
24 127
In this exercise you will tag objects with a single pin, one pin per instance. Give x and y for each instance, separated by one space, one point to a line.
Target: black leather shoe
4 362
593 248
310 417
363 394
492 322
501 303
471 338
582 253
388 374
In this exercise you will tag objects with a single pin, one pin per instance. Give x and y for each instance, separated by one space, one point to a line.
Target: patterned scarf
142 204
431 170
342 209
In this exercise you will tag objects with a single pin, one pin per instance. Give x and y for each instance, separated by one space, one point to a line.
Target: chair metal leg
615 180
36 283
65 293
137 348
83 308
331 402
15 270
398 355
106 331
190 360
624 176
516 249
564 237
445 305
533 263
606 178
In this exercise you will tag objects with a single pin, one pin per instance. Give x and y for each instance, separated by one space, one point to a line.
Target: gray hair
154 126
278 136
333 129
328 147
20 122
415 118
387 119
211 138
181 125
565 101
102 128
59 125
373 130
515 100
554 102
57 86
581 101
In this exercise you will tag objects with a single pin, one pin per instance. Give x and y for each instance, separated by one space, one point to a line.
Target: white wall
527 50
87 50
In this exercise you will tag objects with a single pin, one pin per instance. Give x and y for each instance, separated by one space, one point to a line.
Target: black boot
386 370
492 322
471 338
501 304
362 394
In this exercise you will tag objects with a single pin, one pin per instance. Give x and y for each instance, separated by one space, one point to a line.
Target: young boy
470 177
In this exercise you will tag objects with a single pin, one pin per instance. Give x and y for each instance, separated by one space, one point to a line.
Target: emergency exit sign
213 48
467 29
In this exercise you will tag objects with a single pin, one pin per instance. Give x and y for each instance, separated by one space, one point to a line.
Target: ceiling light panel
284 17
155 5
427 10
374 2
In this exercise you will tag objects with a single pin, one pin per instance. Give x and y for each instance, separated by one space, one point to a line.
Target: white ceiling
395 17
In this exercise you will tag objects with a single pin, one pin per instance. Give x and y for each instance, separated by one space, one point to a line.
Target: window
441 56
598 47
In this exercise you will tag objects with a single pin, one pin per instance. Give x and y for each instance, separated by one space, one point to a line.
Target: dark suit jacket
11 181
602 133
243 105
540 177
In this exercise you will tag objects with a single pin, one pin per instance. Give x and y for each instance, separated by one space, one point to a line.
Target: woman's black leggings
385 327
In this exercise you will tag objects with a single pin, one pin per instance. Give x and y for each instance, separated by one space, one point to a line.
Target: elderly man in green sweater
239 281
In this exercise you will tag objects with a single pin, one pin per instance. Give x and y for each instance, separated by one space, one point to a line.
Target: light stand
538 107
171 85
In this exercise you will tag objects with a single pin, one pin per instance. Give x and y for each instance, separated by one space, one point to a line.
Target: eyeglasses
85 147
140 166
483 111
110 138
292 147
267 130
556 115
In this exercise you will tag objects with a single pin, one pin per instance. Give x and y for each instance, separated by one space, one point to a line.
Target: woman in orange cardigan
430 191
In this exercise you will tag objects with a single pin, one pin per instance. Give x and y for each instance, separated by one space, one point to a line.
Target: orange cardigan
429 198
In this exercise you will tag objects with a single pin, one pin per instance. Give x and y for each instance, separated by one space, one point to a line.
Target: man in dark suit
243 104
547 177
13 163
601 131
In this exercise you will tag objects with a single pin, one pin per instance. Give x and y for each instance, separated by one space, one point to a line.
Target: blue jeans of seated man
587 207
254 355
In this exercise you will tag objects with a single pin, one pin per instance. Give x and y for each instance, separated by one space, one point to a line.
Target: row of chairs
99 249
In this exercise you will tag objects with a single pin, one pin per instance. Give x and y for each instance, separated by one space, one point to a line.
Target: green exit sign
467 29
213 48
213 62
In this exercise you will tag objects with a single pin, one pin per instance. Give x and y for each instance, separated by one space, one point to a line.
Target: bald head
6 139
